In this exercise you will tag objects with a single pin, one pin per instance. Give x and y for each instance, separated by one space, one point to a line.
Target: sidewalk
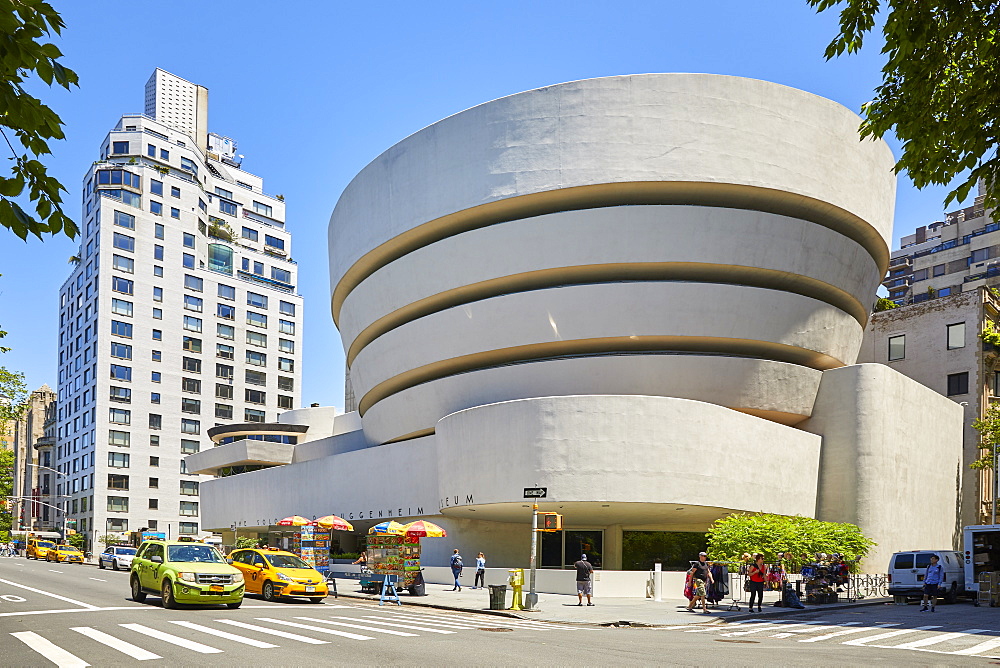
607 611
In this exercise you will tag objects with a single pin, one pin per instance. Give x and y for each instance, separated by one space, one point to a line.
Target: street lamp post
58 473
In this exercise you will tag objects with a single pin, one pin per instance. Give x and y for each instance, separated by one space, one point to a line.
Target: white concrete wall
891 460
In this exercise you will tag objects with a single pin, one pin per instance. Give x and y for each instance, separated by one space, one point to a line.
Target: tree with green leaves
939 86
6 488
26 124
988 427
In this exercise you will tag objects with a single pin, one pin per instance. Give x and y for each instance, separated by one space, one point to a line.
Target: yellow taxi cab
38 549
64 553
273 573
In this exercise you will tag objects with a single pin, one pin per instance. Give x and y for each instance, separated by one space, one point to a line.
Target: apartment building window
155 421
154 376
123 329
175 213
980 255
249 233
192 324
155 208
262 209
286 308
118 504
156 356
227 292
189 508
256 397
118 482
157 314
191 385
223 391
175 191
118 460
154 398
286 364
190 406
253 415
122 263
123 242
188 261
192 364
150 150
122 285
224 351
286 345
157 335
256 358
274 242
154 440
119 147
257 339
156 187
284 401
897 347
255 377
154 504
224 411
188 240
227 208
121 372
164 154
189 487
121 307
286 327
255 319
956 336
187 527
286 383
191 344
225 331
194 283
190 426
121 395
157 294
119 438
255 300
115 524
192 303
223 371
225 311
154 461
154 483
958 383
158 230
158 252
119 416
121 350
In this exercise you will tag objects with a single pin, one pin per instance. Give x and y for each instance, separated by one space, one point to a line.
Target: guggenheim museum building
644 295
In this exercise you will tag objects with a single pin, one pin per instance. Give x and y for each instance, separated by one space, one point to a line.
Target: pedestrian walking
456 569
933 577
584 580
701 575
756 574
480 572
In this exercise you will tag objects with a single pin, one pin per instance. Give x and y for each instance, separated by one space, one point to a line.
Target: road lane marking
811 629
98 579
358 626
402 626
137 653
11 598
53 653
462 627
273 632
307 627
933 640
223 634
715 627
847 632
981 647
858 642
770 628
45 593
57 612
172 639
52 571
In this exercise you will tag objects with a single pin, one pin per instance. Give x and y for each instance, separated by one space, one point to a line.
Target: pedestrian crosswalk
152 639
889 635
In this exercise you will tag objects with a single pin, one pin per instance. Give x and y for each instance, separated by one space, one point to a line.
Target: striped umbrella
294 521
424 529
335 523
392 528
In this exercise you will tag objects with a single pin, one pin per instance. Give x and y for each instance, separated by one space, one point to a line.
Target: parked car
38 549
65 554
906 574
182 572
273 573
116 557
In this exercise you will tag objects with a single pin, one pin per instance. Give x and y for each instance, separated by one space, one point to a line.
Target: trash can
498 597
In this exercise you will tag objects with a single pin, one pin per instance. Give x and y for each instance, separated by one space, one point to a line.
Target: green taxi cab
66 554
273 573
179 573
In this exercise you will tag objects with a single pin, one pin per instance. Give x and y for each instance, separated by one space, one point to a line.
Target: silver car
117 558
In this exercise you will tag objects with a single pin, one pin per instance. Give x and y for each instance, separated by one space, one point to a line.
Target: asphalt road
78 615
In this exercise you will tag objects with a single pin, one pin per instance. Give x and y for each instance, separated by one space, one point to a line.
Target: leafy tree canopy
730 537
25 123
6 488
939 86
988 427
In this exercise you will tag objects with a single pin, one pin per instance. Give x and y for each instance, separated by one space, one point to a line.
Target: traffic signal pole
531 600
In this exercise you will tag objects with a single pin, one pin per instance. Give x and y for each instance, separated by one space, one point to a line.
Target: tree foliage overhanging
940 85
730 537
26 124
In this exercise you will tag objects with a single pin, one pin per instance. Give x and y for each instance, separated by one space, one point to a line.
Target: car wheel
168 596
138 595
267 591
233 606
100 564
114 565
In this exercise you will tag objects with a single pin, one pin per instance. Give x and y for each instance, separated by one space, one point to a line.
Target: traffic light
550 521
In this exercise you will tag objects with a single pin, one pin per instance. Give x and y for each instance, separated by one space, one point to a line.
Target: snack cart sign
395 555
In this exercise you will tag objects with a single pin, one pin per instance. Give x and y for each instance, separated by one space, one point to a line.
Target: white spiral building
645 294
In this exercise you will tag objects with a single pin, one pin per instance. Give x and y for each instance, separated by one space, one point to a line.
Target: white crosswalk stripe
837 634
317 629
172 639
358 626
225 634
890 634
53 653
940 638
426 622
980 648
274 632
479 621
133 651
401 626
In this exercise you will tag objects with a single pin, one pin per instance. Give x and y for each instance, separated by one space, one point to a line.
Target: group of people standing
457 566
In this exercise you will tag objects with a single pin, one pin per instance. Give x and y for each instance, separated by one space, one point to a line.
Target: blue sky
313 91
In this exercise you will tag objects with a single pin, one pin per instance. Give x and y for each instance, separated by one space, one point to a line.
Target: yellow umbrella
392 528
335 523
294 521
424 529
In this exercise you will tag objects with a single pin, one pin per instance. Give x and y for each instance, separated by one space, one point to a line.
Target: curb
438 606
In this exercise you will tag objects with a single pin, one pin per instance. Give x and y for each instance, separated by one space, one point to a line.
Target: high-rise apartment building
181 313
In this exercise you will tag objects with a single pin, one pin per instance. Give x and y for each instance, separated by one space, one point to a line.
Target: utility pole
532 598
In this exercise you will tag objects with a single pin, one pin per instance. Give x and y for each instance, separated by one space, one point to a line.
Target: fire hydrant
516 582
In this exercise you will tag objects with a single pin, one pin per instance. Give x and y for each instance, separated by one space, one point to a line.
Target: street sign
535 492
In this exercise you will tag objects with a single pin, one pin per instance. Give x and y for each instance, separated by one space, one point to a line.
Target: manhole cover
752 642
496 630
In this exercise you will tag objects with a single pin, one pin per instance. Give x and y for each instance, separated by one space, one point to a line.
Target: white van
906 574
982 553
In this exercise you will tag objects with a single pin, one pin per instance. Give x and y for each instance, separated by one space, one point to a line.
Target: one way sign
535 492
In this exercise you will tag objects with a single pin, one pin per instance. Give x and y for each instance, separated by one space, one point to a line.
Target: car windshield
45 543
197 553
286 561
126 551
67 548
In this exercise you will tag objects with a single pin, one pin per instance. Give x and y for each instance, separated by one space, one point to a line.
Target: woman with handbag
755 582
